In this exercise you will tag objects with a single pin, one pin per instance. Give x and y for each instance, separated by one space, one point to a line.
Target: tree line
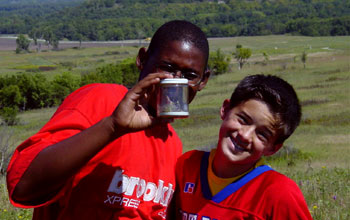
135 19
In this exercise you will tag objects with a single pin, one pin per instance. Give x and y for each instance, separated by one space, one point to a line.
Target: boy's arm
54 165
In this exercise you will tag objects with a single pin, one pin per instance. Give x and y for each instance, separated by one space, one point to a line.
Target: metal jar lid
174 81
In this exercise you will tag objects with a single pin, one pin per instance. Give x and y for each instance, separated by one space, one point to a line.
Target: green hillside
119 19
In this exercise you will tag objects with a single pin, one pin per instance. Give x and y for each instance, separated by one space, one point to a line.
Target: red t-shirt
261 194
131 178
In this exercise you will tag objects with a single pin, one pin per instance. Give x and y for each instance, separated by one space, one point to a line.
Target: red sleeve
80 110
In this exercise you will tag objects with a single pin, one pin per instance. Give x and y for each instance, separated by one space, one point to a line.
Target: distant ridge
108 20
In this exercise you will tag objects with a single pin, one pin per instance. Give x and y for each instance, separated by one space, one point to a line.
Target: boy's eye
190 75
242 120
263 136
167 68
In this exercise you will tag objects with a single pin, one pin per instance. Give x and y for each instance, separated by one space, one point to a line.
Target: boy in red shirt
104 154
232 181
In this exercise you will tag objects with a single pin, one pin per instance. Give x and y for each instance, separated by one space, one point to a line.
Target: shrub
242 55
129 71
110 73
89 78
218 62
10 96
63 85
35 90
125 73
9 115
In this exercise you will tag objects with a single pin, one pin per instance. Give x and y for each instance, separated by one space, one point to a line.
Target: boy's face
246 133
176 56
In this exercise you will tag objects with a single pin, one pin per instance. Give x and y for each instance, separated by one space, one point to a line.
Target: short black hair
179 30
277 94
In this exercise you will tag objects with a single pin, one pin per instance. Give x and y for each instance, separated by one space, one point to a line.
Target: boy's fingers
151 79
145 85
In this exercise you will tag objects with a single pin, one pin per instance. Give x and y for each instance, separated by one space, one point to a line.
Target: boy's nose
246 134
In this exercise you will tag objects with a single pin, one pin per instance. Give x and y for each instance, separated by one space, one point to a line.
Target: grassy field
316 156
74 60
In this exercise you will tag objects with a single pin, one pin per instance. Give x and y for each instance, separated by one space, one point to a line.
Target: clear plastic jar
173 98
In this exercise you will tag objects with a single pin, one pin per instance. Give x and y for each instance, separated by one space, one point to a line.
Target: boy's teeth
237 147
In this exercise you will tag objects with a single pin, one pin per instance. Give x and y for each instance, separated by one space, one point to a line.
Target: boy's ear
273 150
225 108
141 58
205 79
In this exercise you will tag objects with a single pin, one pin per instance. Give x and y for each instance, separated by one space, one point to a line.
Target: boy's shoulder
279 192
93 101
100 88
94 93
190 158
277 186
275 179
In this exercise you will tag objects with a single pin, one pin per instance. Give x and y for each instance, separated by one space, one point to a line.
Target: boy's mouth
237 147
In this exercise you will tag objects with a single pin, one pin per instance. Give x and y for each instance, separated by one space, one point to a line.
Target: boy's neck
224 169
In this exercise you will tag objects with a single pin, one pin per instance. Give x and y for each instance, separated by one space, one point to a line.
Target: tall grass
316 157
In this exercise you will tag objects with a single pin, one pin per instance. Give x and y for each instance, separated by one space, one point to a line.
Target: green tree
242 55
109 3
54 42
22 43
50 38
78 37
35 34
218 62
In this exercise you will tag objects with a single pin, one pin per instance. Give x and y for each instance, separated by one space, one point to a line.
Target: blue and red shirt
261 194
